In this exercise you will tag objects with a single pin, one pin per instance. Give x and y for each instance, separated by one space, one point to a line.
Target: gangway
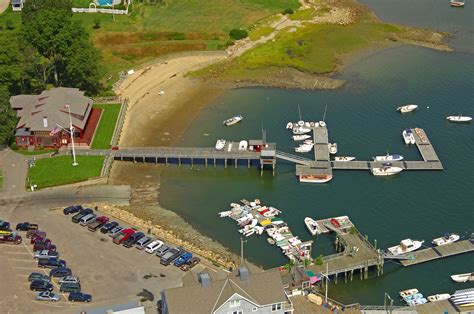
388 255
293 158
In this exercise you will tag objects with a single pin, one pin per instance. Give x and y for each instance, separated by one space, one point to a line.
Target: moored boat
289 125
457 3
405 246
309 178
344 158
312 226
332 148
447 238
463 277
232 121
407 108
439 297
298 130
408 292
388 157
220 144
386 170
304 148
459 119
301 137
408 137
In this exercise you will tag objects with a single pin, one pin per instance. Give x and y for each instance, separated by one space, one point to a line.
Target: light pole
71 130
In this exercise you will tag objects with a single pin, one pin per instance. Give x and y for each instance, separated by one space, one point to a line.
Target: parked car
162 250
38 276
171 255
45 254
97 223
133 239
25 226
123 235
183 258
108 226
33 232
48 296
70 287
69 279
10 239
87 219
4 225
143 242
72 209
42 245
60 272
41 285
153 246
115 231
79 297
83 212
36 237
51 263
190 264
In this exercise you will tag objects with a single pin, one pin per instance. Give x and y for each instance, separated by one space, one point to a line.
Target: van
143 242
70 287
88 218
153 246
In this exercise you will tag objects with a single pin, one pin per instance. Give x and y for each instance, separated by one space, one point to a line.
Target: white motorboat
225 214
304 148
301 137
344 158
408 292
386 170
322 124
232 121
312 226
459 119
289 125
463 297
309 178
408 137
332 148
407 108
298 130
457 3
405 246
439 297
308 142
220 144
463 277
448 238
388 157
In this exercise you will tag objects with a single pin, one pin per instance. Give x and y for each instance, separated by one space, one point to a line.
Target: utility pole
327 282
242 250
71 132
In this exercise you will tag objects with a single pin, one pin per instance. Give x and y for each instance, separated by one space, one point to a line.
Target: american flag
54 131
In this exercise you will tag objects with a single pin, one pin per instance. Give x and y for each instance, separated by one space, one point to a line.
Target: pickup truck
133 239
184 258
171 255
97 223
42 245
51 263
10 239
25 226
123 235
46 254
83 212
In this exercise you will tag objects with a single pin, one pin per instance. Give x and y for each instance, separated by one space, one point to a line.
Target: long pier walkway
437 252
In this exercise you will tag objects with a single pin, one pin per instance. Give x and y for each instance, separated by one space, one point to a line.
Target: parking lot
112 274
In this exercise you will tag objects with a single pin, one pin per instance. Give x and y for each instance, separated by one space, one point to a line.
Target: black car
4 225
38 276
171 255
77 217
79 297
60 272
40 285
25 226
72 209
70 287
133 239
108 226
51 263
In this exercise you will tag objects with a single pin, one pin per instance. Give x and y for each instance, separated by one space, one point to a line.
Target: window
276 307
254 309
234 303
238 312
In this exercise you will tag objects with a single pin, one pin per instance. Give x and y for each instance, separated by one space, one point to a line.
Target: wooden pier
438 252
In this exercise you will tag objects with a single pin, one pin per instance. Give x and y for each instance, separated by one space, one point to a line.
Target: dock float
438 252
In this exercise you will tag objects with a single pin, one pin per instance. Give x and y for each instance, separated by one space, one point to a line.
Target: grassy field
105 130
36 151
58 170
316 48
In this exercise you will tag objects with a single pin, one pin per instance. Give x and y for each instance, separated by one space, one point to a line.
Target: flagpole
326 294
71 128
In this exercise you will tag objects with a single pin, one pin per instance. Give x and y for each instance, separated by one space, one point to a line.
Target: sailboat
300 127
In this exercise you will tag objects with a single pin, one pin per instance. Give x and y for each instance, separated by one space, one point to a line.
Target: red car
11 239
42 245
37 238
33 232
123 235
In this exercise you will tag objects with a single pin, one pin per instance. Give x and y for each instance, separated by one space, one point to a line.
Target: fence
95 10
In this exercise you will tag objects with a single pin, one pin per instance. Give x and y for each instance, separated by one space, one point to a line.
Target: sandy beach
4 5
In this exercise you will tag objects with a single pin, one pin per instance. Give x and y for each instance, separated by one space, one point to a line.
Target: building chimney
244 273
204 280
45 122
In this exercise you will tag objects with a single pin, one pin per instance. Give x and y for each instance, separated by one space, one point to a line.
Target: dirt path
4 5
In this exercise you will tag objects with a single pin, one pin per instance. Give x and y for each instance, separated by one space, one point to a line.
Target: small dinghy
332 148
344 158
447 238
463 277
232 121
407 108
312 226
301 137
439 297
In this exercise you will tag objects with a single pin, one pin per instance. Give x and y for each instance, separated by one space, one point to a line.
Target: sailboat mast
325 109
299 112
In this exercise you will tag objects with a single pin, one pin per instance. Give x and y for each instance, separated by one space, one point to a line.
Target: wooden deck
301 305
443 306
321 140
437 252
424 145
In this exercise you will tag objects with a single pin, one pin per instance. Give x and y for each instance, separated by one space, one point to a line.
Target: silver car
48 296
115 231
46 254
69 279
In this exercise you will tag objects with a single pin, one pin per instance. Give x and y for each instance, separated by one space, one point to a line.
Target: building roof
261 288
50 104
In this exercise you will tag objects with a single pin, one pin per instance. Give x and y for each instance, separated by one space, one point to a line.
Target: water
361 118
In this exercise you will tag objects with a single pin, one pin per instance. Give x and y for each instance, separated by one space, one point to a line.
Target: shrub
176 36
229 43
13 146
96 24
319 260
238 34
288 11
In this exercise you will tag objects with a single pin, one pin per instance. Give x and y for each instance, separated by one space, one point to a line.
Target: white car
153 246
69 279
46 254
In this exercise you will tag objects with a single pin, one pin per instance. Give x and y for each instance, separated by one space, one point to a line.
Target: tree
8 117
238 34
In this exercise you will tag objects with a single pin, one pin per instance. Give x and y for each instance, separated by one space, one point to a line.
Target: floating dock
438 252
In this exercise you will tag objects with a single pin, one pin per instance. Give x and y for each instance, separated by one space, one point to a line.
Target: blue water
361 118
105 2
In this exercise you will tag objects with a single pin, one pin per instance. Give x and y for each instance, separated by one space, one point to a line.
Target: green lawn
59 170
1 179
105 130
36 151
